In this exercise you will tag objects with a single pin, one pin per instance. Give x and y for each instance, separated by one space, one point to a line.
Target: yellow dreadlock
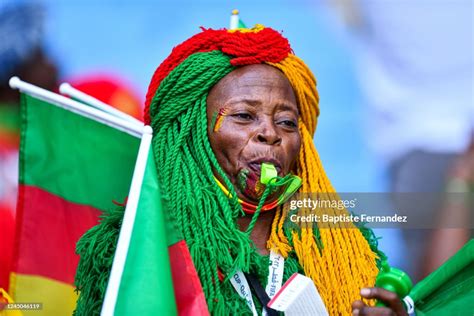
346 263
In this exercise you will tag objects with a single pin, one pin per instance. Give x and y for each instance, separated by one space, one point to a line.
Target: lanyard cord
243 284
260 293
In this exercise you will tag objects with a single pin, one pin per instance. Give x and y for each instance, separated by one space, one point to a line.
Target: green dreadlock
207 217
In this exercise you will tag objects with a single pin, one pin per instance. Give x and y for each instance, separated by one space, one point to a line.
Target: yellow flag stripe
57 298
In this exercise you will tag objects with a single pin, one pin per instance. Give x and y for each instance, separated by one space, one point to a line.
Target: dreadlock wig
339 260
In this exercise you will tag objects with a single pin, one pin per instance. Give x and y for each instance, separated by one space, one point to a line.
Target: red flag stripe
187 286
46 238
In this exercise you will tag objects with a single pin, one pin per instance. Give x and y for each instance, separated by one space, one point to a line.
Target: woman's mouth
256 165
249 177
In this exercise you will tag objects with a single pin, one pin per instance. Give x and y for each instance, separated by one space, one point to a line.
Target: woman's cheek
294 151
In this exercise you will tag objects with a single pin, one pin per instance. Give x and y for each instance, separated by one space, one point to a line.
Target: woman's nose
268 134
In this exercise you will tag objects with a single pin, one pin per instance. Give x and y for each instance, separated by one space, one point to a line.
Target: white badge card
299 296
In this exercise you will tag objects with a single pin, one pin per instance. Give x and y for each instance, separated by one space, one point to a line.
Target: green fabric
450 289
76 158
146 286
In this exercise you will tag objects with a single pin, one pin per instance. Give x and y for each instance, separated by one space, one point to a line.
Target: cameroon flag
152 269
71 169
74 162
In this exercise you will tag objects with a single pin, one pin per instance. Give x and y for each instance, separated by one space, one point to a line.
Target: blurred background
395 79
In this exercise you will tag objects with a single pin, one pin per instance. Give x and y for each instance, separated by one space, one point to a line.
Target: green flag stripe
76 158
146 285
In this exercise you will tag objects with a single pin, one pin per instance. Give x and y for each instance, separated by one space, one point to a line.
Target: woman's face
257 121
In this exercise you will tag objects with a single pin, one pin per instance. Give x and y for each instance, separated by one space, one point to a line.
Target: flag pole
123 243
76 107
234 20
66 89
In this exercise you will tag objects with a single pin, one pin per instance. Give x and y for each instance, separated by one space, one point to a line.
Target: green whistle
394 280
267 172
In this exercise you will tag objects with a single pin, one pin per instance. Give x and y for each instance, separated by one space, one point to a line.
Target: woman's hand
394 304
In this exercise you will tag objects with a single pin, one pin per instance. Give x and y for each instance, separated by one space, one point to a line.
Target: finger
379 311
388 297
357 306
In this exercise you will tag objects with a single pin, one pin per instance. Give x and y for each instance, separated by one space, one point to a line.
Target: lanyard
275 274
275 280
240 284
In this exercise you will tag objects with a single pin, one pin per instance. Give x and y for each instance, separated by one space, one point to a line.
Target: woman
222 104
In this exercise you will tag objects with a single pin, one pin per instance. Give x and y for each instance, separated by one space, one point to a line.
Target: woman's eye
288 123
243 116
